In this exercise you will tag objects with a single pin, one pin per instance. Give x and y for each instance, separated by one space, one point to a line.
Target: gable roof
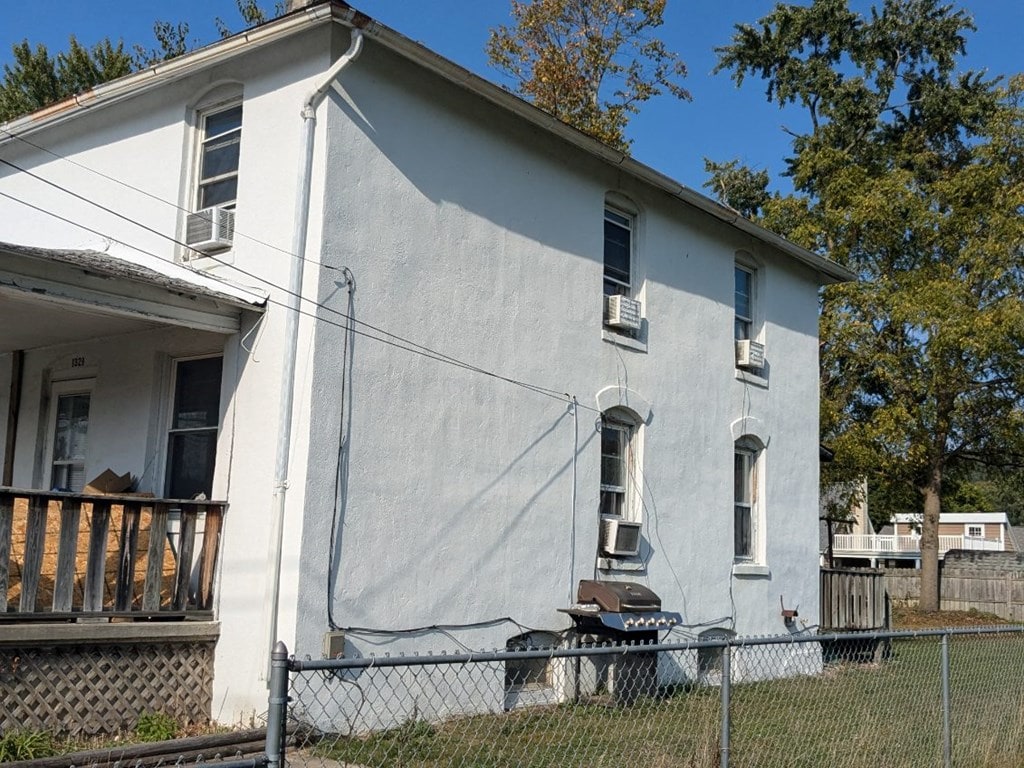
328 11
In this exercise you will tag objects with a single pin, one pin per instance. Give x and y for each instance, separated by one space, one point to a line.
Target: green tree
36 79
911 174
590 63
252 13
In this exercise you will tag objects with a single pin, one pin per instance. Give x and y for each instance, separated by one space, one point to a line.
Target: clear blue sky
722 122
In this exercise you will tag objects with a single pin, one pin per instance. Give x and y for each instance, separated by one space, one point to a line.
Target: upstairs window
618 253
195 419
744 302
218 158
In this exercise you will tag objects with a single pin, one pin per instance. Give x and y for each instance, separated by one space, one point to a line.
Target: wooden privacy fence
76 555
854 599
991 582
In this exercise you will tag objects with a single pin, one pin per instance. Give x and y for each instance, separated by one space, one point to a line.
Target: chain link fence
943 697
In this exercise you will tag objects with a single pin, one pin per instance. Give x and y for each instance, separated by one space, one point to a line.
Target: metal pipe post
277 705
947 734
723 748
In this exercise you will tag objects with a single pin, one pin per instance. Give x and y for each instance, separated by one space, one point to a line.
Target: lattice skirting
103 689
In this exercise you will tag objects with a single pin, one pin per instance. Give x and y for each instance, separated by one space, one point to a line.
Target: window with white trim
70 430
195 421
620 468
618 252
747 522
744 302
975 531
217 174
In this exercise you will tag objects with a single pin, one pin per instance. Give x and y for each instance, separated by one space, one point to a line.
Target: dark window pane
221 156
612 502
742 531
72 427
616 252
190 464
197 393
743 279
218 193
222 122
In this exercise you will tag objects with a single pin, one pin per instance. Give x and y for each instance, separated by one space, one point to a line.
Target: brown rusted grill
618 596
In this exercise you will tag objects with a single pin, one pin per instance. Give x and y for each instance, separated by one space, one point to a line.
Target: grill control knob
662 621
671 622
650 622
629 622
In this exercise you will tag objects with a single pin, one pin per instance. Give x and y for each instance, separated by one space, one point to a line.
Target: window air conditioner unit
622 312
749 354
211 229
620 537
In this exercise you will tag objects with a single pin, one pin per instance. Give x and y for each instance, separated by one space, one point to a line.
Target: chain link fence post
726 686
277 709
947 736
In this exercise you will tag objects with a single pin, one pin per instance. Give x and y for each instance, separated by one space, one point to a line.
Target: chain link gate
941 697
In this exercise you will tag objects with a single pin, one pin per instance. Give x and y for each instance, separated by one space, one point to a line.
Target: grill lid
618 596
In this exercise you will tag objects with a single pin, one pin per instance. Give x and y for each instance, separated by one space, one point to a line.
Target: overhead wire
227 264
406 344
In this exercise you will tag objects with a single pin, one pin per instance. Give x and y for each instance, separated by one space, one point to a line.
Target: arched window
620 464
748 509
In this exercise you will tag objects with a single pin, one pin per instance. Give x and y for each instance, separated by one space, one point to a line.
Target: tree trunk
932 494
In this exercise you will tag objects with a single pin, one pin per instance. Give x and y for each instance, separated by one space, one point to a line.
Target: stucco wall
481 238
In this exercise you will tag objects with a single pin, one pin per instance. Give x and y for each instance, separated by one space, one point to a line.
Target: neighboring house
521 358
898 544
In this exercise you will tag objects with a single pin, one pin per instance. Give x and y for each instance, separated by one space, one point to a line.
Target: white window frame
60 389
980 528
625 220
168 428
203 114
752 453
746 322
630 506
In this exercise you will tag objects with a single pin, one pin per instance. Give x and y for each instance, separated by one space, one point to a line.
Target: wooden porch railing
66 555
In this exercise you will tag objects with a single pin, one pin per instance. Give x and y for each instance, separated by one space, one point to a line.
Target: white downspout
298 249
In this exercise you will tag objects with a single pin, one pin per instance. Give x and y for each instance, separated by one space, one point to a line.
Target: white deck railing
909 545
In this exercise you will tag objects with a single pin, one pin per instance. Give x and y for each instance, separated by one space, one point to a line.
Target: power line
405 344
141 191
193 250
299 296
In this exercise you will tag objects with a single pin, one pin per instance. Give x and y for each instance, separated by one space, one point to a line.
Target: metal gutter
175 69
165 72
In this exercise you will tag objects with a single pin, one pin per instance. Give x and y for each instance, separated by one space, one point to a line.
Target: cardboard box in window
109 483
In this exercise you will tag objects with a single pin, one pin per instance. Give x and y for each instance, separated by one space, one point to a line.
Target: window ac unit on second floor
211 229
749 354
620 537
622 312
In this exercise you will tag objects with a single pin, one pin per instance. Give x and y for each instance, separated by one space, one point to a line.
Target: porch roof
50 296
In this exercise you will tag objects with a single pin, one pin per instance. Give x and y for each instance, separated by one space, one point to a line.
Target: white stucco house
441 355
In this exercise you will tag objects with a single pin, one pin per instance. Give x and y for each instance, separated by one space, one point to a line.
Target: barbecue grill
622 613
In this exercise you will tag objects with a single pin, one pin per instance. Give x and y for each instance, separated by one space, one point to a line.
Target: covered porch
110 364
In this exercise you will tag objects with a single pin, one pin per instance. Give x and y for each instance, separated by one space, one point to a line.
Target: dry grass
858 715
911 617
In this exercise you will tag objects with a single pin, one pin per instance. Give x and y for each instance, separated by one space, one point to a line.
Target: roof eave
828 271
165 71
